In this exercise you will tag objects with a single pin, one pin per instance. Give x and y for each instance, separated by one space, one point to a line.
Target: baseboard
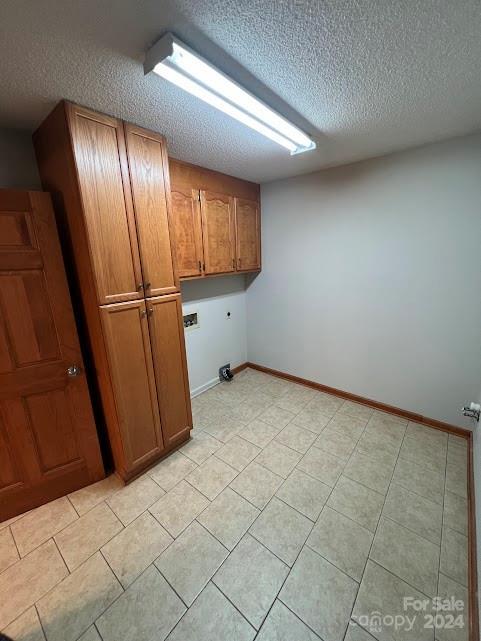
239 368
212 383
429 422
203 388
383 407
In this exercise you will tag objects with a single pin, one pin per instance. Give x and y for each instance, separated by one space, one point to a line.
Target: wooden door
187 228
101 163
168 350
48 439
129 353
248 245
218 232
149 177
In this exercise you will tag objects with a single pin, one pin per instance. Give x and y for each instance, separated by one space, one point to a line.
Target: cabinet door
187 229
149 176
127 338
247 224
168 350
99 150
218 232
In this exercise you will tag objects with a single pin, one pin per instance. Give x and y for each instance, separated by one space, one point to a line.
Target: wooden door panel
168 350
10 475
187 229
99 151
16 232
28 329
53 429
247 234
130 359
48 439
218 232
149 179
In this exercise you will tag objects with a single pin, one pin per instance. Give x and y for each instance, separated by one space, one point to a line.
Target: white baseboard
203 388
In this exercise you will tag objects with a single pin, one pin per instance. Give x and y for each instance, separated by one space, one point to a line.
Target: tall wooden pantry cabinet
110 186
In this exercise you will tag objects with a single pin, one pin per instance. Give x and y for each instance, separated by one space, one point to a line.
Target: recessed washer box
191 321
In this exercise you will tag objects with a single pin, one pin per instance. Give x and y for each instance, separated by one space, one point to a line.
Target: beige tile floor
287 516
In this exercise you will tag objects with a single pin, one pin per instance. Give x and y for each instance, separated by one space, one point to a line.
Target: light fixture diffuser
171 59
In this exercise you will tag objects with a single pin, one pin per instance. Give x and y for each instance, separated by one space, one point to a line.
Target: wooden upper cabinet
99 151
129 352
208 238
187 231
248 241
149 177
218 232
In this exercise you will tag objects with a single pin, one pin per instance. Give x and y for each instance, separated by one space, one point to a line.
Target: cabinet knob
73 371
147 285
150 311
140 286
143 313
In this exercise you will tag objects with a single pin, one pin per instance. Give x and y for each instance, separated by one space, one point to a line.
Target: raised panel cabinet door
149 178
218 232
248 245
187 228
48 439
127 338
101 163
168 350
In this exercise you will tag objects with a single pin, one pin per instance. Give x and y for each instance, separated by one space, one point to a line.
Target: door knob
73 370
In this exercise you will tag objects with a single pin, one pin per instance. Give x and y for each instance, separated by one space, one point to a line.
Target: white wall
18 168
371 278
218 340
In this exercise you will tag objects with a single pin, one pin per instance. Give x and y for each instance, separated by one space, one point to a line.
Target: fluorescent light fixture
171 59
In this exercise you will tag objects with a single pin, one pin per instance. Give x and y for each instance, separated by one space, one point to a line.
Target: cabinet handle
203 266
143 314
233 263
200 266
140 286
239 261
150 311
147 285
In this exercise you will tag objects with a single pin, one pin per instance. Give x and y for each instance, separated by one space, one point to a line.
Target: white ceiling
365 77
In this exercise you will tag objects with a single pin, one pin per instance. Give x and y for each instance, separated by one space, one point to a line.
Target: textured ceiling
364 77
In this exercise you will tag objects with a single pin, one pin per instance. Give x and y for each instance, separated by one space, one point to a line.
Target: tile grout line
238 472
39 621
73 506
9 529
62 530
373 539
297 556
